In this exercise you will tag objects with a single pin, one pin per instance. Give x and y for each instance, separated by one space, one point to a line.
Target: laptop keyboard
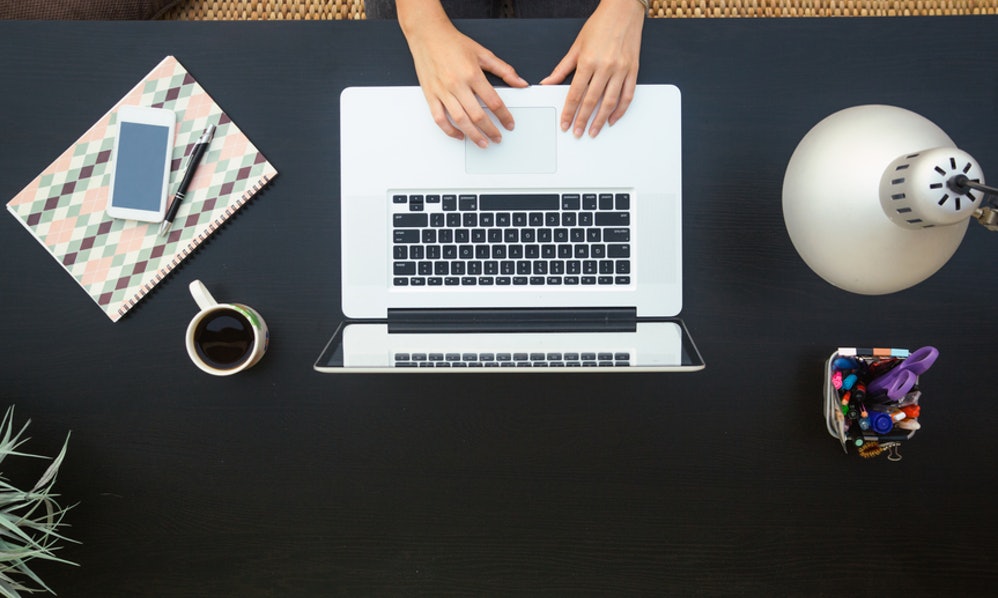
511 239
584 359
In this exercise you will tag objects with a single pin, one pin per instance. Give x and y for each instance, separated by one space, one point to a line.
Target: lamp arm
961 183
986 215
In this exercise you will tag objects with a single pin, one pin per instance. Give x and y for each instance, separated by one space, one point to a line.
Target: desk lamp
877 198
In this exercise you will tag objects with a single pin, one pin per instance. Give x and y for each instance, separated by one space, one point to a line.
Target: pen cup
866 421
224 338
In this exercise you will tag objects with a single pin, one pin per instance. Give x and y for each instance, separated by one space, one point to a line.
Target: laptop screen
657 345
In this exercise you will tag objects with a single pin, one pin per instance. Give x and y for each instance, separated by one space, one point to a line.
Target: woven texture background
354 9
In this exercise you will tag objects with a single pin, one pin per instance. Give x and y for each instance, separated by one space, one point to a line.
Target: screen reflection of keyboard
508 239
522 360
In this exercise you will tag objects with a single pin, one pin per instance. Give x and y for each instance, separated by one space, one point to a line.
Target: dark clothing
490 9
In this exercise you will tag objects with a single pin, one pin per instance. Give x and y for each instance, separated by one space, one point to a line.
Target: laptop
541 253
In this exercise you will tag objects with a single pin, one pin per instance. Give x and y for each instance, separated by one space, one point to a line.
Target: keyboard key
570 201
616 235
617 250
400 282
605 201
404 268
589 201
400 252
467 203
410 220
501 202
406 236
622 201
613 219
448 203
400 199
622 280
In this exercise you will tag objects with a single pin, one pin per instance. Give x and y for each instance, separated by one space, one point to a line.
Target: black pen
192 165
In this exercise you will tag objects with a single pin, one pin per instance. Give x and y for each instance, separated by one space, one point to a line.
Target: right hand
451 70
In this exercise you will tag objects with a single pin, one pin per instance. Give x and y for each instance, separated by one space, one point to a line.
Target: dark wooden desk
284 482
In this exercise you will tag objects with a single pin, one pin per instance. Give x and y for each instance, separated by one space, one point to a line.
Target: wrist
416 15
637 6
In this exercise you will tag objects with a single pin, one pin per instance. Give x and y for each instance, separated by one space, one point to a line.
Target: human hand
451 70
605 60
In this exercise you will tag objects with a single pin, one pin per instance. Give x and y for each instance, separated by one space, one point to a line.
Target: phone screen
138 178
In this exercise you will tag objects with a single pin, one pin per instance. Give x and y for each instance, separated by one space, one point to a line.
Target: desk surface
285 482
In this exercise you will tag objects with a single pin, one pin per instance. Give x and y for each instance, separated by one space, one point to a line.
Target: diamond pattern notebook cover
117 262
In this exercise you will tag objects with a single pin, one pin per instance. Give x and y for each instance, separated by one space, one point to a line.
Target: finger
465 122
576 91
626 97
494 103
502 69
611 99
439 114
589 103
475 121
562 70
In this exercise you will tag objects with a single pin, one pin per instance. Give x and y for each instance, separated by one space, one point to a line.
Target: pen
192 164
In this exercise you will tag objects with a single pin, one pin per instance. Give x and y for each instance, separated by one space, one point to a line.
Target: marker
192 164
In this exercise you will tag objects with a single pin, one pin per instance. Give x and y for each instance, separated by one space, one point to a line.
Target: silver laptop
543 251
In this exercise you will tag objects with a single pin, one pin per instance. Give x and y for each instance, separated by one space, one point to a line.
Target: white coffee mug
224 338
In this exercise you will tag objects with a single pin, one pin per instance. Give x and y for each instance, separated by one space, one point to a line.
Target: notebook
118 262
543 251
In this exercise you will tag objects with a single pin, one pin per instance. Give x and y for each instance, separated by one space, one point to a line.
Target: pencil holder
871 397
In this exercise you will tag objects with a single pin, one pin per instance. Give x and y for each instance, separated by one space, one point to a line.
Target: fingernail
564 127
482 143
578 132
593 132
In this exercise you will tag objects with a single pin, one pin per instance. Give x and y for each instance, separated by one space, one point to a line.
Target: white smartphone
140 168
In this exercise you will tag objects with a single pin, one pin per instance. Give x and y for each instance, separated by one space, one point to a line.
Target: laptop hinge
616 319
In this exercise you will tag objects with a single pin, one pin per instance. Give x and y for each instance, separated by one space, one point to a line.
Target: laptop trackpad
530 148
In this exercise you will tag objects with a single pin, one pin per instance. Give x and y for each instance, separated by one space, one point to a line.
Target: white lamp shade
832 207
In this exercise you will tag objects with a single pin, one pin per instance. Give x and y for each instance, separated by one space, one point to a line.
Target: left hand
605 60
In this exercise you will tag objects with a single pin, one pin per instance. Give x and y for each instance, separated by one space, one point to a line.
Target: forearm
627 6
416 15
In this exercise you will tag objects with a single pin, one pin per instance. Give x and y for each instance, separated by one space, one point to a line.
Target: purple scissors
900 380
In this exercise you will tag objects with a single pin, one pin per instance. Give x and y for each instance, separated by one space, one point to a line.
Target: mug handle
201 295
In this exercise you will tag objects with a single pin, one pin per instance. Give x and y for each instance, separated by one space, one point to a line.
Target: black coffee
224 339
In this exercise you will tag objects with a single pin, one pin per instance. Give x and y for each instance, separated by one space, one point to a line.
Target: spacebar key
506 202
